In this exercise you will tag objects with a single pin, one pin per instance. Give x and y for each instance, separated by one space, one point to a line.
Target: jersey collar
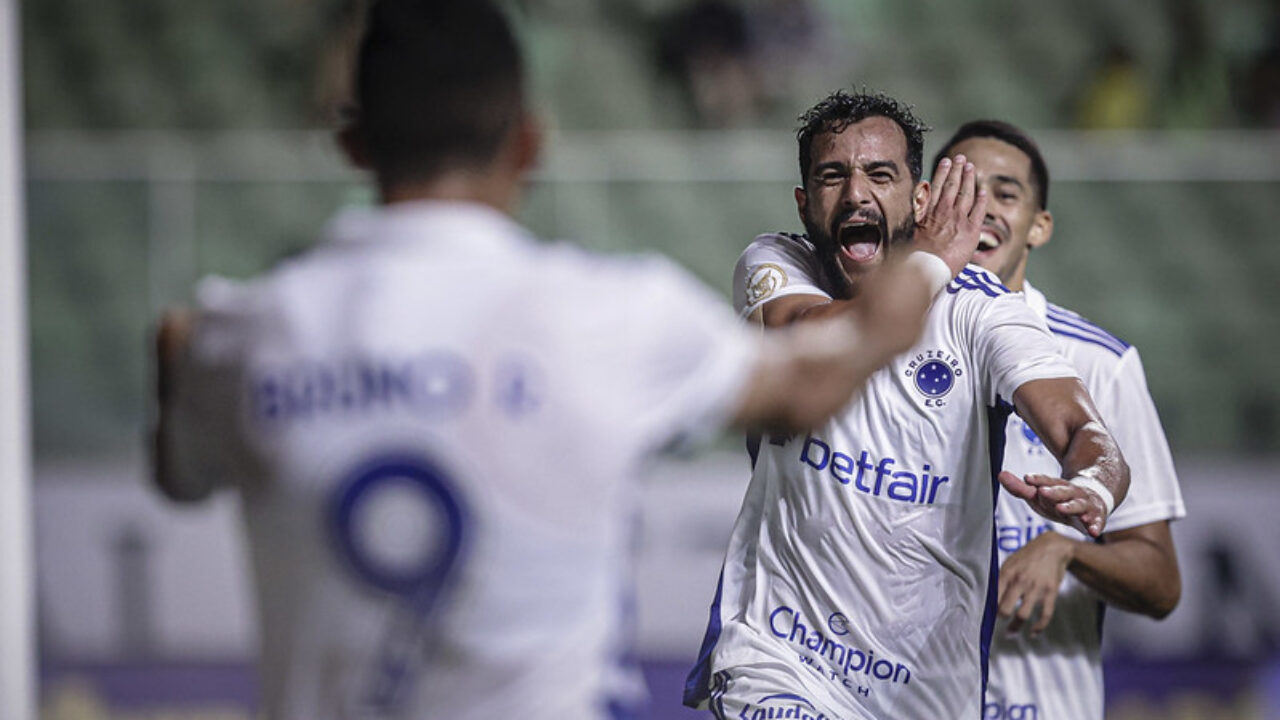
1036 300
467 227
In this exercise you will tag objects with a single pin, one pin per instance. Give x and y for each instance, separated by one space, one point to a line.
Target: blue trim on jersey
716 702
626 707
1065 322
987 279
997 421
957 285
1070 319
697 685
970 279
1102 614
1056 330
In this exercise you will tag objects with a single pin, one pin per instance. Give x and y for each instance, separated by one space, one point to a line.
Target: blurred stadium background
166 140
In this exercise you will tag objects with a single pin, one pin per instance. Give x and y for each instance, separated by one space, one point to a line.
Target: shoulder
976 282
978 296
1084 337
788 249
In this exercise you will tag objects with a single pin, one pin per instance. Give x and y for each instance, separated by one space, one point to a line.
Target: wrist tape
935 269
1089 482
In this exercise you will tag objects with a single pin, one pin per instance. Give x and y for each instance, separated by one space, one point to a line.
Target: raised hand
952 220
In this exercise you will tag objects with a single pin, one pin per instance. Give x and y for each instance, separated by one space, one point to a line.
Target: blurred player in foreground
859 579
1046 657
434 420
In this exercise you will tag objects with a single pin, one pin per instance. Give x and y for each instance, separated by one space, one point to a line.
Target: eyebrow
1007 179
879 164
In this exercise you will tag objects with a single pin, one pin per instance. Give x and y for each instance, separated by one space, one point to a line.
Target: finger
1016 486
1075 506
951 187
939 178
968 182
1063 493
1009 599
1047 604
979 211
1042 481
1026 609
1097 522
1014 626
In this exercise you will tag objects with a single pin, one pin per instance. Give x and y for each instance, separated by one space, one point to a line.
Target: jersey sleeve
1015 347
774 265
202 424
689 359
1130 414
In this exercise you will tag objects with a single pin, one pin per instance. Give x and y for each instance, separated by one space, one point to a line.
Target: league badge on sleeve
765 279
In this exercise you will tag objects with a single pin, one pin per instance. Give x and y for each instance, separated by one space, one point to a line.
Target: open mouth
988 240
861 241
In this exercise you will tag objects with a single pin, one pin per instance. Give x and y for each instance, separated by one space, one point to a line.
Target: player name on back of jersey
435 384
878 478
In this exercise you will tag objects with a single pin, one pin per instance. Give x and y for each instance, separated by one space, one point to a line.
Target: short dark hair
840 109
439 84
1013 135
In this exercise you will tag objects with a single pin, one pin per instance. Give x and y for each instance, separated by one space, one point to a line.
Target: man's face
1014 223
857 201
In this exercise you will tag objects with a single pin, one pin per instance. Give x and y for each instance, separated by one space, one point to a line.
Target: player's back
438 421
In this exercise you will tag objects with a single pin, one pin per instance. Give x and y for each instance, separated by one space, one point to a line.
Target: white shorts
760 692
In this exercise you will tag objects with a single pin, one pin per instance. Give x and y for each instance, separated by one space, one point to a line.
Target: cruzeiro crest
934 374
765 279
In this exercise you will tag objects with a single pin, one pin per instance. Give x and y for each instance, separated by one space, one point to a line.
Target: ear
1041 229
350 138
920 199
802 202
528 142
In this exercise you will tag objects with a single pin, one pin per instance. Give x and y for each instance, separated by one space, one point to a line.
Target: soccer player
859 579
433 420
1045 657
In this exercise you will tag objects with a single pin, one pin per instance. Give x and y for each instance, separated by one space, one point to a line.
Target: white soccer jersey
434 421
859 573
1058 675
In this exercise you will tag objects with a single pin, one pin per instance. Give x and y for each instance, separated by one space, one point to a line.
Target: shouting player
433 420
1046 659
858 582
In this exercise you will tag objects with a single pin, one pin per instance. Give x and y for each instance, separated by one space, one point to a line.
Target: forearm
1131 570
1092 452
806 373
1063 415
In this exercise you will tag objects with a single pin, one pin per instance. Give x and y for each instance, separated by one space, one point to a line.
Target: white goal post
17 617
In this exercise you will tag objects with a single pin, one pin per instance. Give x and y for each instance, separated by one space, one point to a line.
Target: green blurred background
169 139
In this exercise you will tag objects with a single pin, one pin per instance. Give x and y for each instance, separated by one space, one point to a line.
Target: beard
834 278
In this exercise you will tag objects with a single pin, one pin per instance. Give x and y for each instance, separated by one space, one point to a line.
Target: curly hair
840 109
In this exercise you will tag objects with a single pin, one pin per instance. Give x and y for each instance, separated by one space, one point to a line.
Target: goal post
17 616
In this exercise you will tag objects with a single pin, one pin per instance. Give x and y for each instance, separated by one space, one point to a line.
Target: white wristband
1091 483
935 269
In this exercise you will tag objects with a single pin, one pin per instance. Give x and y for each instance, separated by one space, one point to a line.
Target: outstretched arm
1061 413
808 371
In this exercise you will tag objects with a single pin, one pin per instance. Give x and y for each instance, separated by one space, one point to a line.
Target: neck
494 188
1016 280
